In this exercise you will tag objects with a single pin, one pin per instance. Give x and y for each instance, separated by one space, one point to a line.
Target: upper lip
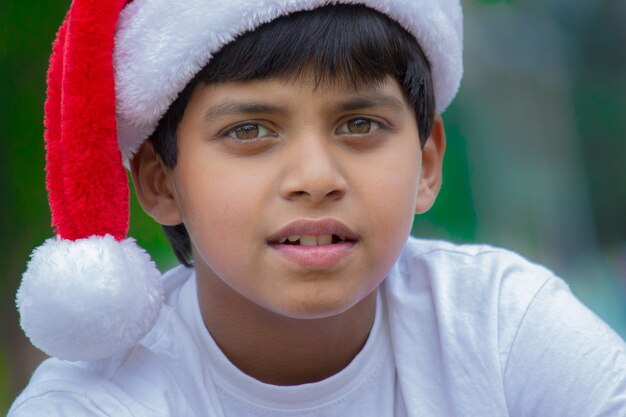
316 227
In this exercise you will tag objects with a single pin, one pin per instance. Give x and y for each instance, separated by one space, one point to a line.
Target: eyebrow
237 107
360 102
369 101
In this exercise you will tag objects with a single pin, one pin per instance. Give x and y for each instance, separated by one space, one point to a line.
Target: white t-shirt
459 331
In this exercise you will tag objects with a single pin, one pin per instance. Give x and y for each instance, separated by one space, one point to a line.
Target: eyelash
372 122
229 133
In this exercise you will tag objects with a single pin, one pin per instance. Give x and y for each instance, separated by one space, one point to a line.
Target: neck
281 350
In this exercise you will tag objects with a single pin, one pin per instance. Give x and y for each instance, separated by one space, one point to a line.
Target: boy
286 166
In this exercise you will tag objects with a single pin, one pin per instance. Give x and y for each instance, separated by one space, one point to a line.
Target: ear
432 164
153 186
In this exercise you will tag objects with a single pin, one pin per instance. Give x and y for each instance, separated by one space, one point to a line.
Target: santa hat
115 69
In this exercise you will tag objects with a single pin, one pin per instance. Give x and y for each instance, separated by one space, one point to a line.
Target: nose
313 173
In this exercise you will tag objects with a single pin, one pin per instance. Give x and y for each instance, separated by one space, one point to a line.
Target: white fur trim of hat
150 74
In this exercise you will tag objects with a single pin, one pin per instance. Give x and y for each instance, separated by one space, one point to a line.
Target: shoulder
489 258
468 291
464 272
514 328
494 289
141 382
563 351
60 388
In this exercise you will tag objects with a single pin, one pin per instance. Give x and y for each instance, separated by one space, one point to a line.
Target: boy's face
296 198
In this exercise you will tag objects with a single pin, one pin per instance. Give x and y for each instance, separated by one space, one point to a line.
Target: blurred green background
536 156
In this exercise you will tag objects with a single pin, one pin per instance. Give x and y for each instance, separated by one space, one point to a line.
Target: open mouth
328 232
317 244
310 240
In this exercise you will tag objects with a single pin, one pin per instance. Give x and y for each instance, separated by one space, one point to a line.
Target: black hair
339 43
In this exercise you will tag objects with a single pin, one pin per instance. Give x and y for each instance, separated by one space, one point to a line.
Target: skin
255 156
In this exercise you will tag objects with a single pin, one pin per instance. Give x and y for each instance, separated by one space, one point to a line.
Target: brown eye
248 131
359 126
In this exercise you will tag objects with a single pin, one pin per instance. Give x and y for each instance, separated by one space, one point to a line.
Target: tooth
324 240
283 240
293 238
308 240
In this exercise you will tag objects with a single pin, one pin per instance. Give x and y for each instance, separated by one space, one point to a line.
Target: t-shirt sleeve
564 361
60 388
59 403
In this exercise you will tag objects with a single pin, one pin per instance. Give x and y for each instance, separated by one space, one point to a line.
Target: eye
248 131
359 126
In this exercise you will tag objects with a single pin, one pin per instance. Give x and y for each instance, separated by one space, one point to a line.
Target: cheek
218 204
389 203
390 189
392 215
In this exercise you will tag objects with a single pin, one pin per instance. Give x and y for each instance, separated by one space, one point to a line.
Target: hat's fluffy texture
87 183
162 44
89 293
90 298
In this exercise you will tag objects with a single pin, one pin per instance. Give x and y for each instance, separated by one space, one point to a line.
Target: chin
318 305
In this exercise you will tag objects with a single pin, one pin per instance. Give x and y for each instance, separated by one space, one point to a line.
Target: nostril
336 193
312 180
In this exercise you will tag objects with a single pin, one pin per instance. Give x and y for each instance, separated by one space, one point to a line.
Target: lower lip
316 257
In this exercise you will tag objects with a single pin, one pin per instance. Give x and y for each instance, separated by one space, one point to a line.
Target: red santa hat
116 67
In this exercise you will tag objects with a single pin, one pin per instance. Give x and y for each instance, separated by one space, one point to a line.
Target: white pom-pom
89 299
